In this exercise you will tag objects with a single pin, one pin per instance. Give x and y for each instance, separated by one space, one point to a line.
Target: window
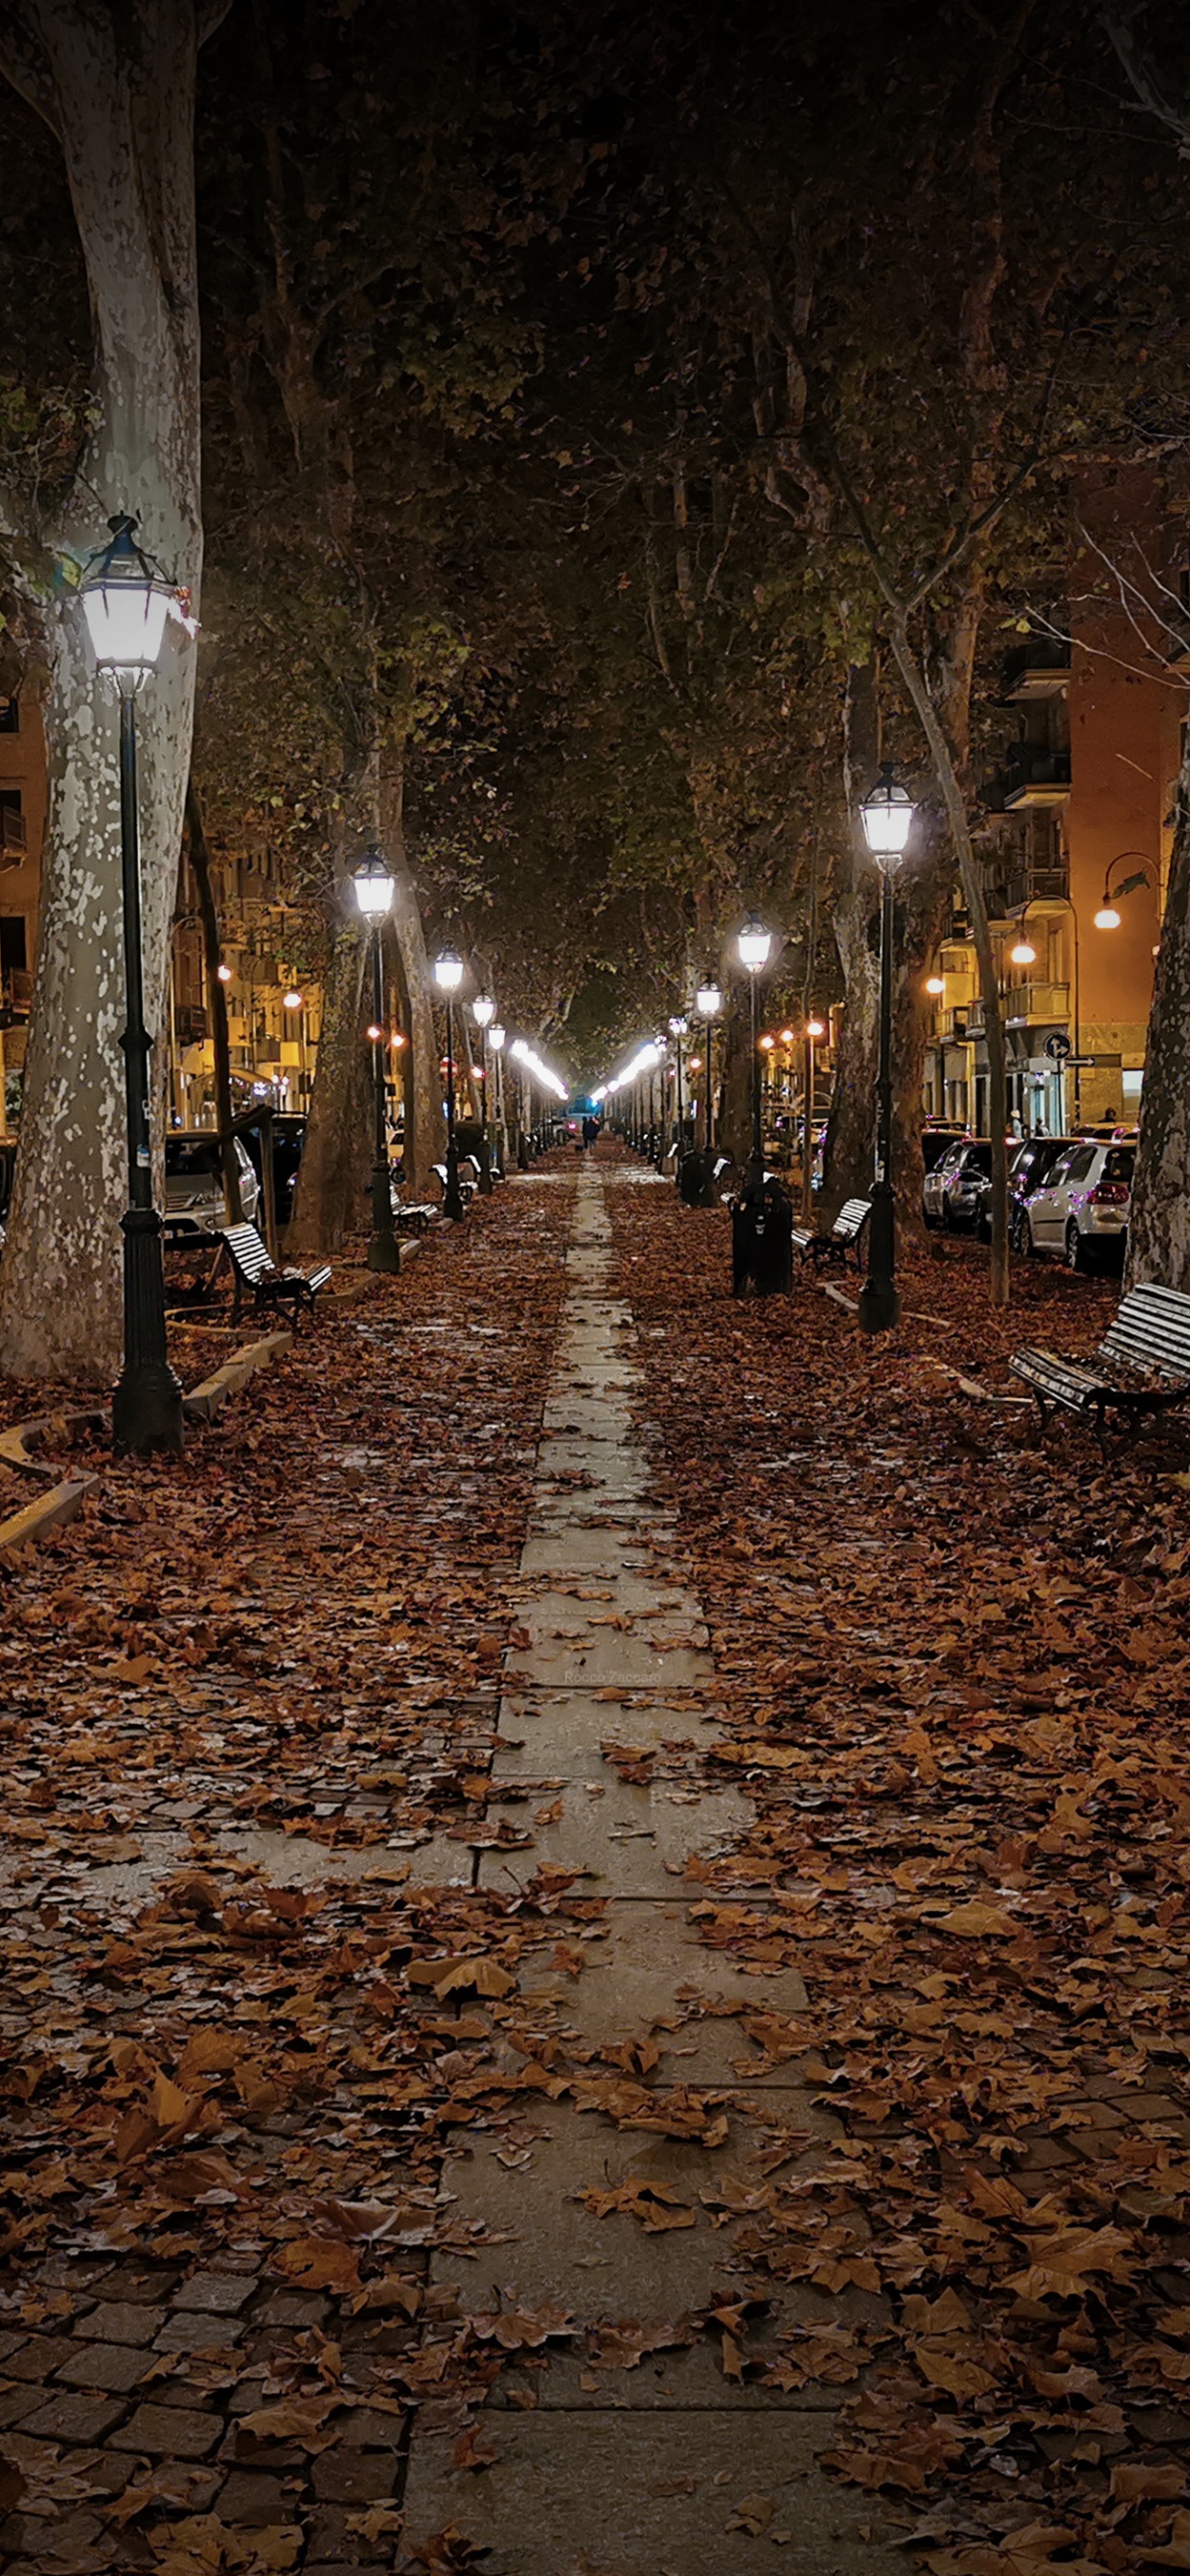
14 946
1119 1164
1078 1165
10 715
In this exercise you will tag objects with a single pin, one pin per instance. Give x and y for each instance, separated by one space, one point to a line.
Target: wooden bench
255 1273
466 1184
1142 1364
412 1216
843 1239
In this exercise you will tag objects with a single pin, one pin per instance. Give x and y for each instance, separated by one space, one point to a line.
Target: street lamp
814 1030
753 946
1108 916
886 815
125 598
496 1036
707 1002
483 1011
374 890
448 975
1023 953
677 1030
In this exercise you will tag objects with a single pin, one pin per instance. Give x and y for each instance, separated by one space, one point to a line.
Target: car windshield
192 1157
978 1158
1119 1164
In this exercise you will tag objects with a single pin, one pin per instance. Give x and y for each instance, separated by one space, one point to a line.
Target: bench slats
253 1267
1142 1364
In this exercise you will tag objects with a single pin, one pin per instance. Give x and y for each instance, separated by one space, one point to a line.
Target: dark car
289 1136
953 1191
1029 1166
937 1140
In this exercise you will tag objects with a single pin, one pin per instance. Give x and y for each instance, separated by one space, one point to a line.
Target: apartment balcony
1037 669
1027 1005
955 1021
1032 777
190 1024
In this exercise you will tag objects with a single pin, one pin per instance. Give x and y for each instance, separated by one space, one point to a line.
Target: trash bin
762 1244
694 1172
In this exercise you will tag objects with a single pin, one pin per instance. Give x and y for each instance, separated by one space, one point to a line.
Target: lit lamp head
125 600
677 1027
887 815
375 1032
754 943
448 971
787 1037
496 1037
708 998
936 985
374 886
768 1043
483 1011
1023 954
291 1001
815 1028
1107 917
224 973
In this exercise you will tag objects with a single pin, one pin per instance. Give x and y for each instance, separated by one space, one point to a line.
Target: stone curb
208 1399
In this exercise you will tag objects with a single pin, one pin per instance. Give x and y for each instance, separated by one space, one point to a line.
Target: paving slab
561 2251
559 1731
651 2495
652 1970
628 1841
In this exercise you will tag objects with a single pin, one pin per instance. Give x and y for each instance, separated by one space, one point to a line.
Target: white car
1082 1209
194 1197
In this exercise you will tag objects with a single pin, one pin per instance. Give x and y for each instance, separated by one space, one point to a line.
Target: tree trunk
425 1127
1159 1221
200 861
924 897
956 814
328 1201
850 1130
117 88
734 1074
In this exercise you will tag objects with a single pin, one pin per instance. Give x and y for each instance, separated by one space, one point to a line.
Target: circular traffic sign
1057 1045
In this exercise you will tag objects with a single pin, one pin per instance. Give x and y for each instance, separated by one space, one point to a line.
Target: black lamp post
708 1001
374 889
754 944
496 1036
448 975
886 816
483 1010
125 598
677 1031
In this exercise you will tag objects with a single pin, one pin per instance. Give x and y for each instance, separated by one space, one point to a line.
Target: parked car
1081 1209
937 1140
289 1136
951 1193
194 1196
1029 1164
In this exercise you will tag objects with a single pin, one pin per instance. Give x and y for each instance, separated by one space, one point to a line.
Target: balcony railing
1039 668
1030 1002
1028 776
190 1023
16 996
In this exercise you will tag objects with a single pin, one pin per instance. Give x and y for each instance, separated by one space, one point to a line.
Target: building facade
1078 830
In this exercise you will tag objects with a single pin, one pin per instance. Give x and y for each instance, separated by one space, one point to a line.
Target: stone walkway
676 2467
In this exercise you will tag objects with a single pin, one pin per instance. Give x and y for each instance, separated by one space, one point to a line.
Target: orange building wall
1125 708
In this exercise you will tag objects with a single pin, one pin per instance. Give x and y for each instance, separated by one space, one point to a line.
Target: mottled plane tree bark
116 87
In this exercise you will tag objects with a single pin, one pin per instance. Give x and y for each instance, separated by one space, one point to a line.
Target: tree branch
23 63
1142 71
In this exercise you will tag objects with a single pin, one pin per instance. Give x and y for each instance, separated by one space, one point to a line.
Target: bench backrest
248 1250
1151 1331
853 1214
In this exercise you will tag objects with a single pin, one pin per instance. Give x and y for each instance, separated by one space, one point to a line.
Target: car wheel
1076 1258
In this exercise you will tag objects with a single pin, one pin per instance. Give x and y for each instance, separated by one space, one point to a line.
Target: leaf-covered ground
954 1674
253 2000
